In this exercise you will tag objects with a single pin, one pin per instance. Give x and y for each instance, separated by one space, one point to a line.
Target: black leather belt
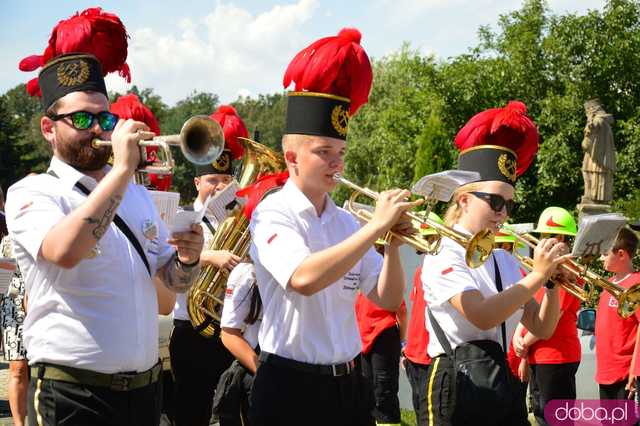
116 382
335 370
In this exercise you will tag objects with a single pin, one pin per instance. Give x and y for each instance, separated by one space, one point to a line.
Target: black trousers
417 375
614 390
51 402
284 396
551 381
233 396
197 363
381 368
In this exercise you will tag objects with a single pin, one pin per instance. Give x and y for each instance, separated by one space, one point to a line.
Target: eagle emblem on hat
507 167
340 120
73 73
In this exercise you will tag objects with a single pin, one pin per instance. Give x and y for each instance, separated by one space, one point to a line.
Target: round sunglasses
496 202
83 120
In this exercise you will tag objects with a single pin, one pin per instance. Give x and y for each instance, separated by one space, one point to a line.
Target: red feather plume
337 65
509 127
233 128
129 106
91 31
257 191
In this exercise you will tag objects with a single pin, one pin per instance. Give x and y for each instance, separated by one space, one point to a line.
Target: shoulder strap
503 328
207 222
444 342
120 223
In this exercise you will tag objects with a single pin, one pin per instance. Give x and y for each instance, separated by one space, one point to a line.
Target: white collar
70 176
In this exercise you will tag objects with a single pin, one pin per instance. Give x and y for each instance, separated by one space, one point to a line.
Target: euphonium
206 297
477 247
628 298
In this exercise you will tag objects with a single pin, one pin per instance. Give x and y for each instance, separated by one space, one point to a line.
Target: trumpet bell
479 248
629 301
202 140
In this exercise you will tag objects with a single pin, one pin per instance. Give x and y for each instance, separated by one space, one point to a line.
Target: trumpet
477 247
628 298
201 141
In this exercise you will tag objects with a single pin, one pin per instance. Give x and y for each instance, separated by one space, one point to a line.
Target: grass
407 418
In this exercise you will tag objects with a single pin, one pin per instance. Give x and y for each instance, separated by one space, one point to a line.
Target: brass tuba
206 297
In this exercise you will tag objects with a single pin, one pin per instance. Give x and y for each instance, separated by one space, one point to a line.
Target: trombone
477 247
201 141
628 298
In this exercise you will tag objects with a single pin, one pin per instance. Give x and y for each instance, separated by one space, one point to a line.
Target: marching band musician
474 311
312 257
416 360
553 362
89 243
198 361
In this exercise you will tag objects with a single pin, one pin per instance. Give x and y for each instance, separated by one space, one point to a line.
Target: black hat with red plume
233 128
498 143
332 79
92 32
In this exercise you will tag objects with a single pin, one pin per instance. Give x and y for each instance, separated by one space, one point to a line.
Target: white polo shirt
180 309
100 315
446 275
237 302
317 329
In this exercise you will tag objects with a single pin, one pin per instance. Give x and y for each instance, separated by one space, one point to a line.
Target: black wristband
187 265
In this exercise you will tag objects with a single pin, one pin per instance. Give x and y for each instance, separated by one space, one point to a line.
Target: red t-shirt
564 346
615 337
417 335
373 320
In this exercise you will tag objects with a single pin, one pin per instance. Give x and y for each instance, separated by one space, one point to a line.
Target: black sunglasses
83 120
496 202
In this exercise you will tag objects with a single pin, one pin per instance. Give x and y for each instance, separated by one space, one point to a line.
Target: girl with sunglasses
472 313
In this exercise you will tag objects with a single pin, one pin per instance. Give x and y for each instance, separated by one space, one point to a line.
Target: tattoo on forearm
177 279
104 222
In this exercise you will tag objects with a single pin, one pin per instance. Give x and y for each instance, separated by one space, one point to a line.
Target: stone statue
599 162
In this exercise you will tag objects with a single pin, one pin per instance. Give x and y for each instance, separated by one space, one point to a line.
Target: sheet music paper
7 268
184 219
220 203
597 233
442 185
167 204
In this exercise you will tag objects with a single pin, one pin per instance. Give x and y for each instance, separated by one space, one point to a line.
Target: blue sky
233 47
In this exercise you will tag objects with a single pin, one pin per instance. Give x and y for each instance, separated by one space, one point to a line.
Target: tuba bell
206 296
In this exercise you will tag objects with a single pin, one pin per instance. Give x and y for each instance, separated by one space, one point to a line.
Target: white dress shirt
237 302
446 275
317 329
100 315
180 309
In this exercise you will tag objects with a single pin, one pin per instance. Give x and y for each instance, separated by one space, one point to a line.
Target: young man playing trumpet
312 257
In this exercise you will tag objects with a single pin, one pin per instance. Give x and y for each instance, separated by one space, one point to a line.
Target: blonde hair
453 213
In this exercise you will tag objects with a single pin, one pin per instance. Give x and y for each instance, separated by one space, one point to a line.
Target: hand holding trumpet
125 140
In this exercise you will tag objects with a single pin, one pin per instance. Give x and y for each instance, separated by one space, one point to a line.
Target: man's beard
80 155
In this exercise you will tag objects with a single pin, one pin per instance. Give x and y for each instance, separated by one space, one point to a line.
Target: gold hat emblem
507 167
340 120
222 162
73 73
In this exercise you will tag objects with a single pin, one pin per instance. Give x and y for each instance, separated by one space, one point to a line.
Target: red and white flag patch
446 271
229 292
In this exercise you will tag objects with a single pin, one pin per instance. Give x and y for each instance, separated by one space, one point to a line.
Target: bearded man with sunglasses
90 244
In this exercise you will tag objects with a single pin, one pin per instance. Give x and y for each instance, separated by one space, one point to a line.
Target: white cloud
228 51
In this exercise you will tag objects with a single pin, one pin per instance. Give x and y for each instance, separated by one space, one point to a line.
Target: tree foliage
553 63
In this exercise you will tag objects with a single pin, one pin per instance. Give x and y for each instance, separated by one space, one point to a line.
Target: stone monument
599 163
